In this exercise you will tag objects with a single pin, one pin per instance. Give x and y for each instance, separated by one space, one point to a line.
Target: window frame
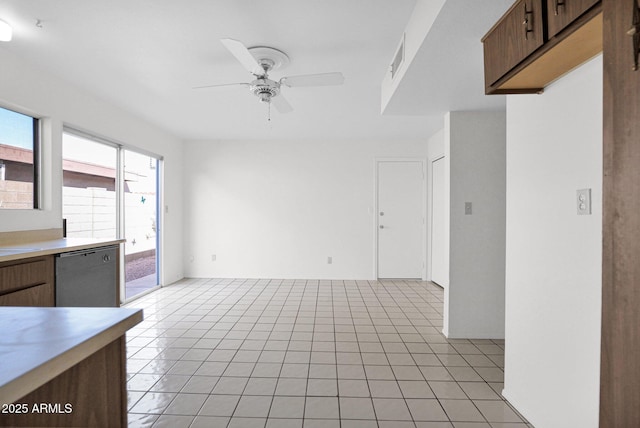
36 157
37 163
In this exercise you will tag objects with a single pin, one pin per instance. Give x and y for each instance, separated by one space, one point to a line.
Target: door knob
381 213
381 227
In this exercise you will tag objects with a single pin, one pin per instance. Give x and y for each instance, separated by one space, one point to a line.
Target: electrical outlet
213 257
166 209
468 208
583 201
329 260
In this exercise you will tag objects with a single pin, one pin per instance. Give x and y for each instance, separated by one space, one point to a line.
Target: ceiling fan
260 61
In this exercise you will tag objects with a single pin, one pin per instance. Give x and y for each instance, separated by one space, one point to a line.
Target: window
18 160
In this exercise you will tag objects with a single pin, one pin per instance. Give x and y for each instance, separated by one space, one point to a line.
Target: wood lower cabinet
561 13
620 359
519 33
90 394
64 367
28 282
39 295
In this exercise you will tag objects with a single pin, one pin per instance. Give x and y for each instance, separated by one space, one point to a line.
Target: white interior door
400 219
439 268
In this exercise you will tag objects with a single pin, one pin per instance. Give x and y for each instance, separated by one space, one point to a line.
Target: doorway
400 225
439 259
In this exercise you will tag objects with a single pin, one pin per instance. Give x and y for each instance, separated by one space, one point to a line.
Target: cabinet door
40 295
561 13
22 274
27 282
512 39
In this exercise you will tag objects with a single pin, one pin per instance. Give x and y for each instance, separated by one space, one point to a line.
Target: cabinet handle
634 32
527 14
557 5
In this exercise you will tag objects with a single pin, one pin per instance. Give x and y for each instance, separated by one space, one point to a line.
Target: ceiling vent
398 59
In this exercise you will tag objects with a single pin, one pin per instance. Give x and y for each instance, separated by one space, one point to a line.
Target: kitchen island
64 367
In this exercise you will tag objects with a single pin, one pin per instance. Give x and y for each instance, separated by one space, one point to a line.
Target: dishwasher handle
90 251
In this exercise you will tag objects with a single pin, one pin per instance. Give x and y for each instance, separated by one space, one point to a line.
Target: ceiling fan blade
227 85
323 79
281 104
242 54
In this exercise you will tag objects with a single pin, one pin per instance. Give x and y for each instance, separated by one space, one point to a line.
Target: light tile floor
240 353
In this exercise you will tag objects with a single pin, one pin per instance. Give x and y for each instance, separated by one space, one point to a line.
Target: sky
16 129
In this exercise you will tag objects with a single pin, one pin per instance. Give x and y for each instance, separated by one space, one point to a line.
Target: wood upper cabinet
519 33
561 13
531 46
27 282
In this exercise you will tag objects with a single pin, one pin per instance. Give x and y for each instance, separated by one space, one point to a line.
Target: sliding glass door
140 222
112 192
89 199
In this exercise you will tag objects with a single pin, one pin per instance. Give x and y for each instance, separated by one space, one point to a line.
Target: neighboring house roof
18 154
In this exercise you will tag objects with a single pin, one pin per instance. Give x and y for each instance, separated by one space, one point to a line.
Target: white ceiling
447 73
146 55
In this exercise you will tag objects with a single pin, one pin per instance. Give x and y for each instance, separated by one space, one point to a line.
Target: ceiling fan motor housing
265 89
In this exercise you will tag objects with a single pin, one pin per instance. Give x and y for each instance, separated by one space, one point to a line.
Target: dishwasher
87 278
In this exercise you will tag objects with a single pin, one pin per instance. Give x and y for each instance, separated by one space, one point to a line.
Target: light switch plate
468 208
583 201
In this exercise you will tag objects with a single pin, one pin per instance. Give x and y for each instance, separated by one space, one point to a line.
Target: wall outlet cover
583 201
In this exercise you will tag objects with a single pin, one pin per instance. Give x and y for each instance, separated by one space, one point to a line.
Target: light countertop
54 246
37 344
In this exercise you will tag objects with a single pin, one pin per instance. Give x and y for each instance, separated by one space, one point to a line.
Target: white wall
553 270
475 155
435 145
33 91
278 209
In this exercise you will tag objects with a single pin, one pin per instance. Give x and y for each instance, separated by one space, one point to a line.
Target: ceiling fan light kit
265 89
260 61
